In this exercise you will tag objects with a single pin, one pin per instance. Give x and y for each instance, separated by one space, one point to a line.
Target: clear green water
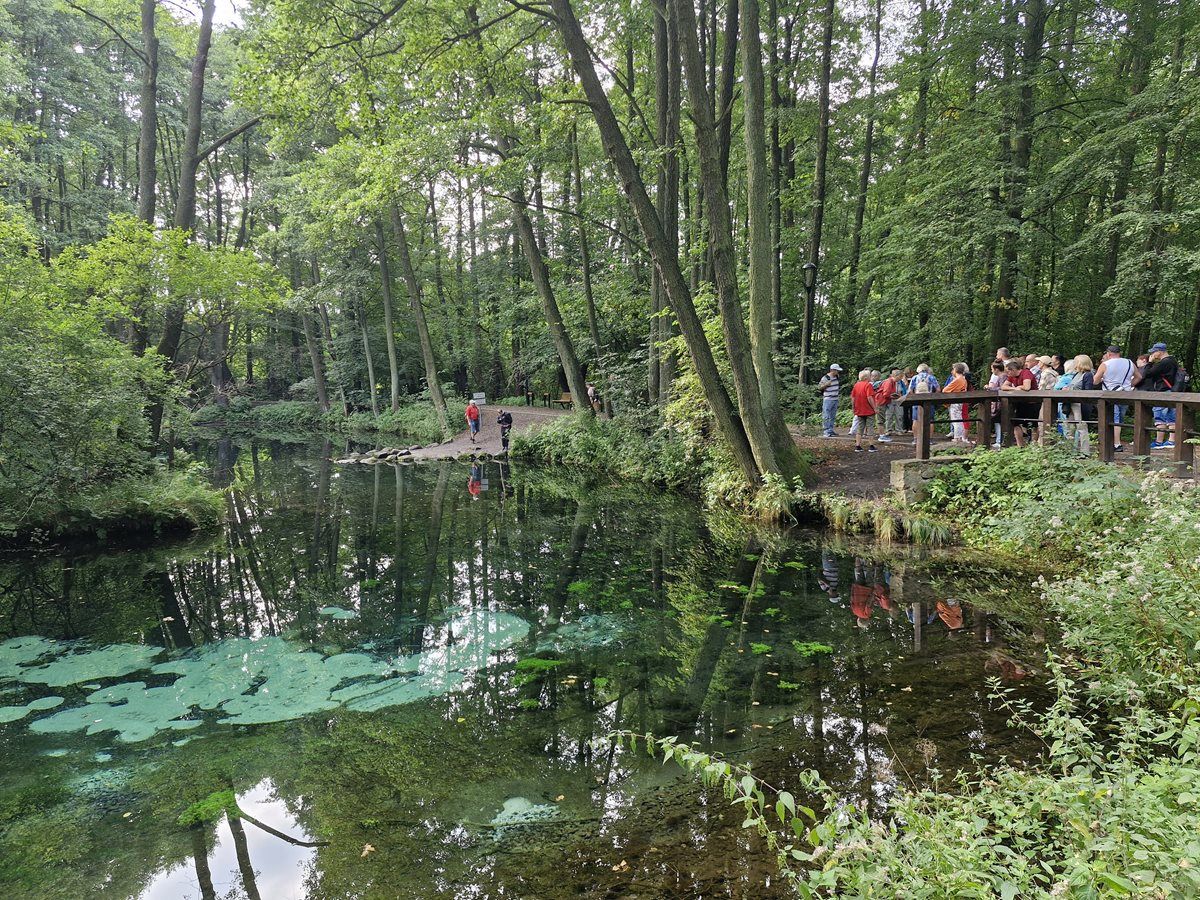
403 678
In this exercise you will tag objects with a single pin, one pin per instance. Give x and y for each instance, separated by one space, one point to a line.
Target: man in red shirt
862 399
473 419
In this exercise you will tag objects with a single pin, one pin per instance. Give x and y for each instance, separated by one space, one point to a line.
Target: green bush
1034 496
610 449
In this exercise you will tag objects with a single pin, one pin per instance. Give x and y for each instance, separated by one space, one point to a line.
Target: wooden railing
1139 418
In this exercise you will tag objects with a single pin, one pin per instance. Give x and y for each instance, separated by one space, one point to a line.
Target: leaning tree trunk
720 228
665 259
418 310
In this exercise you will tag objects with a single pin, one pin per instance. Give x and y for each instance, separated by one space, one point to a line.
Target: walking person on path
1115 373
505 421
472 419
862 398
830 385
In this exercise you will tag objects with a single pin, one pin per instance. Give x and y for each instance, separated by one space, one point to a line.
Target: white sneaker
884 439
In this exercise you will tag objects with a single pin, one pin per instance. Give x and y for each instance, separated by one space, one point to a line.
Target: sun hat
835 368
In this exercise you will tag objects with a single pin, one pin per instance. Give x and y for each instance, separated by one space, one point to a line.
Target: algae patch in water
521 811
255 682
336 612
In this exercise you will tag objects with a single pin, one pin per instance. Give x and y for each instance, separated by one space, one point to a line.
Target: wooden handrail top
1158 398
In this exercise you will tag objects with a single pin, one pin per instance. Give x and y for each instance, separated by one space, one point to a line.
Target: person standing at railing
1019 378
957 385
1063 383
1160 374
888 396
1115 373
1081 413
994 383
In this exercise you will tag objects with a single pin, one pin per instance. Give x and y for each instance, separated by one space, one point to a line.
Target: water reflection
262 853
618 610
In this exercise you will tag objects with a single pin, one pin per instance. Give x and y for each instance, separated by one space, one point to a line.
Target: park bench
564 401
480 398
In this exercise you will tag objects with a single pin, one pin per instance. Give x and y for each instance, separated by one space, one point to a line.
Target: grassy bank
1111 809
416 421
156 502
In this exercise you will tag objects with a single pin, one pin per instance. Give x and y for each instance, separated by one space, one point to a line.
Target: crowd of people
878 410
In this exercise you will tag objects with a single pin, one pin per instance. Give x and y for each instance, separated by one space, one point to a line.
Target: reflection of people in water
861 594
475 482
950 611
828 580
882 590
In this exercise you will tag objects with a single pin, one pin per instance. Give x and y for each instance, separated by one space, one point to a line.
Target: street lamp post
810 289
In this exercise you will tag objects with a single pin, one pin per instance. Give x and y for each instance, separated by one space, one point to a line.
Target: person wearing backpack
923 382
1162 373
1115 373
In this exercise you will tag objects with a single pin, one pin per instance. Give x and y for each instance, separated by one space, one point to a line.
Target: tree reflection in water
643 614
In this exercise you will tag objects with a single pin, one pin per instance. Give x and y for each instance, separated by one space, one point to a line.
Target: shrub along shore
1111 809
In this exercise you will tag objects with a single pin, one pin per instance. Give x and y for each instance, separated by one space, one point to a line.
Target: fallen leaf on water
908 689
560 798
367 850
126 815
622 866
461 719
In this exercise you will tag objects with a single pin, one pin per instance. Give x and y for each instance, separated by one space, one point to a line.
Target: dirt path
525 418
838 469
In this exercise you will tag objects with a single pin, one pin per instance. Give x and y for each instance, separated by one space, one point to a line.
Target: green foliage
759 649
210 809
74 448
416 421
810 648
609 449
1037 496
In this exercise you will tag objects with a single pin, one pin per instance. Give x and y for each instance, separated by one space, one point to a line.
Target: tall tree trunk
147 154
189 157
316 356
585 257
666 261
818 203
864 180
389 318
1031 54
418 309
758 202
366 340
724 109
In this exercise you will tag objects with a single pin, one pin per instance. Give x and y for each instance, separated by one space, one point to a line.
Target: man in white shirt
1115 373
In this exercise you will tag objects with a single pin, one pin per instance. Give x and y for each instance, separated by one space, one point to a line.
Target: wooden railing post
1185 420
1047 419
1104 417
1143 418
924 430
985 424
1006 421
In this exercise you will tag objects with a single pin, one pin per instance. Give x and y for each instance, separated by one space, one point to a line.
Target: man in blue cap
1160 374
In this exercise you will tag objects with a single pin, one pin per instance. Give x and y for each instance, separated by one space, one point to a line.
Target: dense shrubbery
613 449
74 442
1112 809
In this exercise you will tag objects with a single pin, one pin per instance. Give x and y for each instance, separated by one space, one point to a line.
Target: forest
241 241
352 208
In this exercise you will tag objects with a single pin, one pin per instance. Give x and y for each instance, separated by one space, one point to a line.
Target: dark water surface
404 678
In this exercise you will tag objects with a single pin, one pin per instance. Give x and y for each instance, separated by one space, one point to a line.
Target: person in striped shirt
830 387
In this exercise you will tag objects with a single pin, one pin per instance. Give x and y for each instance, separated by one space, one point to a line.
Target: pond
400 682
